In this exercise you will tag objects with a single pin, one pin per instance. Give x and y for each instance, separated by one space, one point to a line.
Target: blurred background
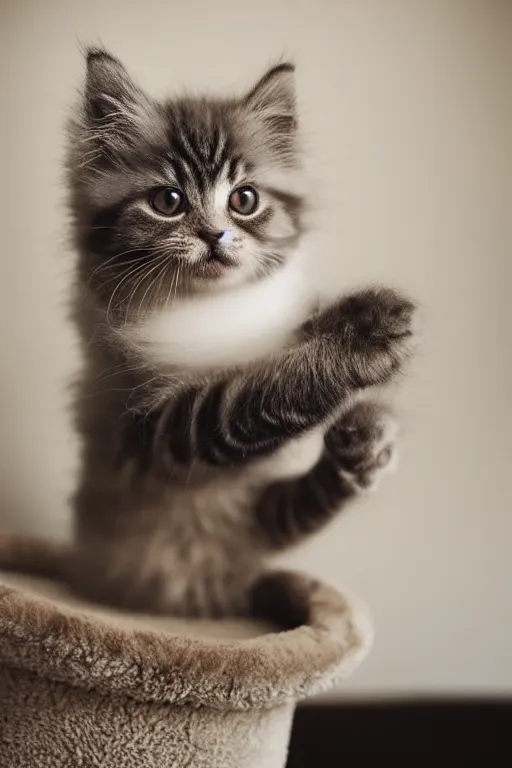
407 113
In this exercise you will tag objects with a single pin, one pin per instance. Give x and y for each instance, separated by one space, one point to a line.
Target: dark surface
323 736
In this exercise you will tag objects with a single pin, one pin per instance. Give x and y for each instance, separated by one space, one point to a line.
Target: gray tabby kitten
217 409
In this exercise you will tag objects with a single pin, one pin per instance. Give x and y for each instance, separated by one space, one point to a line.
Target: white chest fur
234 327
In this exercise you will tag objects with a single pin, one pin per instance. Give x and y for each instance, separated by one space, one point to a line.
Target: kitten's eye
244 200
167 201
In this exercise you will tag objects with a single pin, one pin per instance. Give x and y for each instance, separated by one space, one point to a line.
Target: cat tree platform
85 686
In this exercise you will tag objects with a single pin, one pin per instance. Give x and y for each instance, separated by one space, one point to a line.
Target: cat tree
84 686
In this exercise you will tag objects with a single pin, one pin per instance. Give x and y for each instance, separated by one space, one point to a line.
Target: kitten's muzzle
216 251
217 254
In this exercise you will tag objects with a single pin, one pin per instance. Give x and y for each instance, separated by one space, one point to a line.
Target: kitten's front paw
363 443
376 326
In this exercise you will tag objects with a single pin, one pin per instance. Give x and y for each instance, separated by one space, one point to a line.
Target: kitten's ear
116 115
274 94
109 89
272 103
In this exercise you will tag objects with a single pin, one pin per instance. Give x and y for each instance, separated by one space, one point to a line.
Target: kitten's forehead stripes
200 148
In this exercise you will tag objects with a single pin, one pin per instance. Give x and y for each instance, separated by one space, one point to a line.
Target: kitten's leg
289 599
359 449
358 342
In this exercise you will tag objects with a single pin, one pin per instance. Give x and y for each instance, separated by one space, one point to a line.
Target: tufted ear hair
109 89
272 103
116 114
274 93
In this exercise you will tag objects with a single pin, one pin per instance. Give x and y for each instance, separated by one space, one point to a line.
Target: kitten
217 408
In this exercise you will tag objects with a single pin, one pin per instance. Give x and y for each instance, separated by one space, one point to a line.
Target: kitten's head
187 195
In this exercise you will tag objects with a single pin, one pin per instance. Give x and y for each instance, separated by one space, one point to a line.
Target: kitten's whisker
136 270
126 274
124 271
171 284
118 275
157 266
144 276
177 279
104 264
163 272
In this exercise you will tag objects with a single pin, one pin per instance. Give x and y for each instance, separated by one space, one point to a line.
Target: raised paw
375 329
380 329
363 444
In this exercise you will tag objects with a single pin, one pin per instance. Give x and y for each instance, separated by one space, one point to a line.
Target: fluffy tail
33 556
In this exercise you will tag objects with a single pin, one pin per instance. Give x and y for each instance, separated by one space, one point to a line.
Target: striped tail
33 556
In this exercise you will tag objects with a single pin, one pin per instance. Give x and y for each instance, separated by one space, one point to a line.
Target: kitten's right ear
109 90
272 112
116 116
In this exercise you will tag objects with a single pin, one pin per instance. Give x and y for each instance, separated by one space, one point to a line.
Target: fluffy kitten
216 409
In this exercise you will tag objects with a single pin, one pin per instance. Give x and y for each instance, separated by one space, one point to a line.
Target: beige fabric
82 687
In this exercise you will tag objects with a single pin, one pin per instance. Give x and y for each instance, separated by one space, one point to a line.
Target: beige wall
405 108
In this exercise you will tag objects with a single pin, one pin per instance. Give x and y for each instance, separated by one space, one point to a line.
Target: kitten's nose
211 236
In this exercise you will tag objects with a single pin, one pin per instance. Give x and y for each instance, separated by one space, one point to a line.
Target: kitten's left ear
270 116
273 97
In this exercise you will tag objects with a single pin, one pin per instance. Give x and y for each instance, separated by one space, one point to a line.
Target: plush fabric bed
82 685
